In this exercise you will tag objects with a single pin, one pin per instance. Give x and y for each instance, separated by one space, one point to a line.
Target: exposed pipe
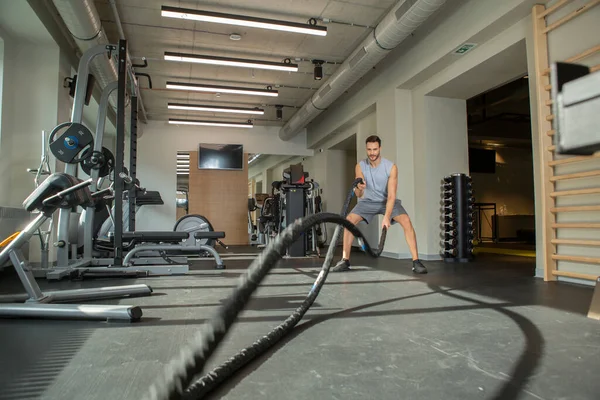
83 23
82 20
397 25
130 71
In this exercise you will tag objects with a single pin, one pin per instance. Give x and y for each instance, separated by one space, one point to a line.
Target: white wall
25 115
33 100
157 153
425 135
1 80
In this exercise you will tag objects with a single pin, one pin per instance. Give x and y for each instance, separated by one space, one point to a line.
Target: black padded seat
209 235
54 184
155 236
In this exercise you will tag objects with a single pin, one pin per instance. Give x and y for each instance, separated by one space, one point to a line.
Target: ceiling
149 35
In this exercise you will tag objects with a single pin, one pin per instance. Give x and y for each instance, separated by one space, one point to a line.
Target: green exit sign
465 48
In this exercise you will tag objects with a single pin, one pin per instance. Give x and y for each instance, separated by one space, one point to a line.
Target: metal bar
62 253
133 161
72 311
23 237
88 235
134 80
26 276
119 156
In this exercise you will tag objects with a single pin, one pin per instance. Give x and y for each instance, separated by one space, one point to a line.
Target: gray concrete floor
484 330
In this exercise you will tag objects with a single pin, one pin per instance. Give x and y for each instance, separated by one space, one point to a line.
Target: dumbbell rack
457 218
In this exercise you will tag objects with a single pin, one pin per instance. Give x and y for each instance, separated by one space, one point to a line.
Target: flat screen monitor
221 156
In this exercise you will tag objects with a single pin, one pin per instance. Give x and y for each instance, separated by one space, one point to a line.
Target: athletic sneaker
418 267
341 266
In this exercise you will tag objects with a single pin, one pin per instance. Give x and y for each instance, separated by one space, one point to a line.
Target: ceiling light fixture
210 123
231 62
222 89
242 20
199 107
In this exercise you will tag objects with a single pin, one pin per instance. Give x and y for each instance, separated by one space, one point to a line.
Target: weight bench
170 241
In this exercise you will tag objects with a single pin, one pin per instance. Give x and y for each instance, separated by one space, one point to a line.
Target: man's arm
358 174
391 188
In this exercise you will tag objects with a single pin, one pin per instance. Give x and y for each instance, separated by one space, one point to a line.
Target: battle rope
177 380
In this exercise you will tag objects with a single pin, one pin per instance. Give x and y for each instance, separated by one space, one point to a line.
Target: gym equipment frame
38 303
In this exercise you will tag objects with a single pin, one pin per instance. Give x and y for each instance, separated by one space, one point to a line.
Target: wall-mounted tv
221 156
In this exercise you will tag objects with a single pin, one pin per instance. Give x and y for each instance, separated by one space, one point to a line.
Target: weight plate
105 165
68 146
194 223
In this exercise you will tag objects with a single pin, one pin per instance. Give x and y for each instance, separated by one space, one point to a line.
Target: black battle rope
177 380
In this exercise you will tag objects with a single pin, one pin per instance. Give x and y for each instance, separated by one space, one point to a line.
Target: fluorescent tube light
222 89
210 123
241 20
230 62
199 107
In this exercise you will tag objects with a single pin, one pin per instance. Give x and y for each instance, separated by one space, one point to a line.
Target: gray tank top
376 180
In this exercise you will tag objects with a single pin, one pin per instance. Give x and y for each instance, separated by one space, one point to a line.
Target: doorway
501 167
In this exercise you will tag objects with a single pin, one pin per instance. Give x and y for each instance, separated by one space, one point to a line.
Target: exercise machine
77 146
60 191
300 195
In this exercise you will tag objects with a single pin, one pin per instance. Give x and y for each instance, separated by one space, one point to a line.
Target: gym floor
486 330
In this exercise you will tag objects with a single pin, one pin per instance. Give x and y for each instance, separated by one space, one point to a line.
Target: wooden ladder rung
551 132
590 260
574 192
574 159
551 148
578 57
548 88
577 275
572 15
575 175
550 117
576 242
574 209
576 225
554 8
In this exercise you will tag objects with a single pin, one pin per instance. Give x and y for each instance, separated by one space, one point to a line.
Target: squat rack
557 217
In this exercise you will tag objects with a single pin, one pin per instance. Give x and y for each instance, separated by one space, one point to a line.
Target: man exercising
377 196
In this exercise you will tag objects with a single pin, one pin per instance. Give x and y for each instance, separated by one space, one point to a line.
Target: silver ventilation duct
396 26
83 22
